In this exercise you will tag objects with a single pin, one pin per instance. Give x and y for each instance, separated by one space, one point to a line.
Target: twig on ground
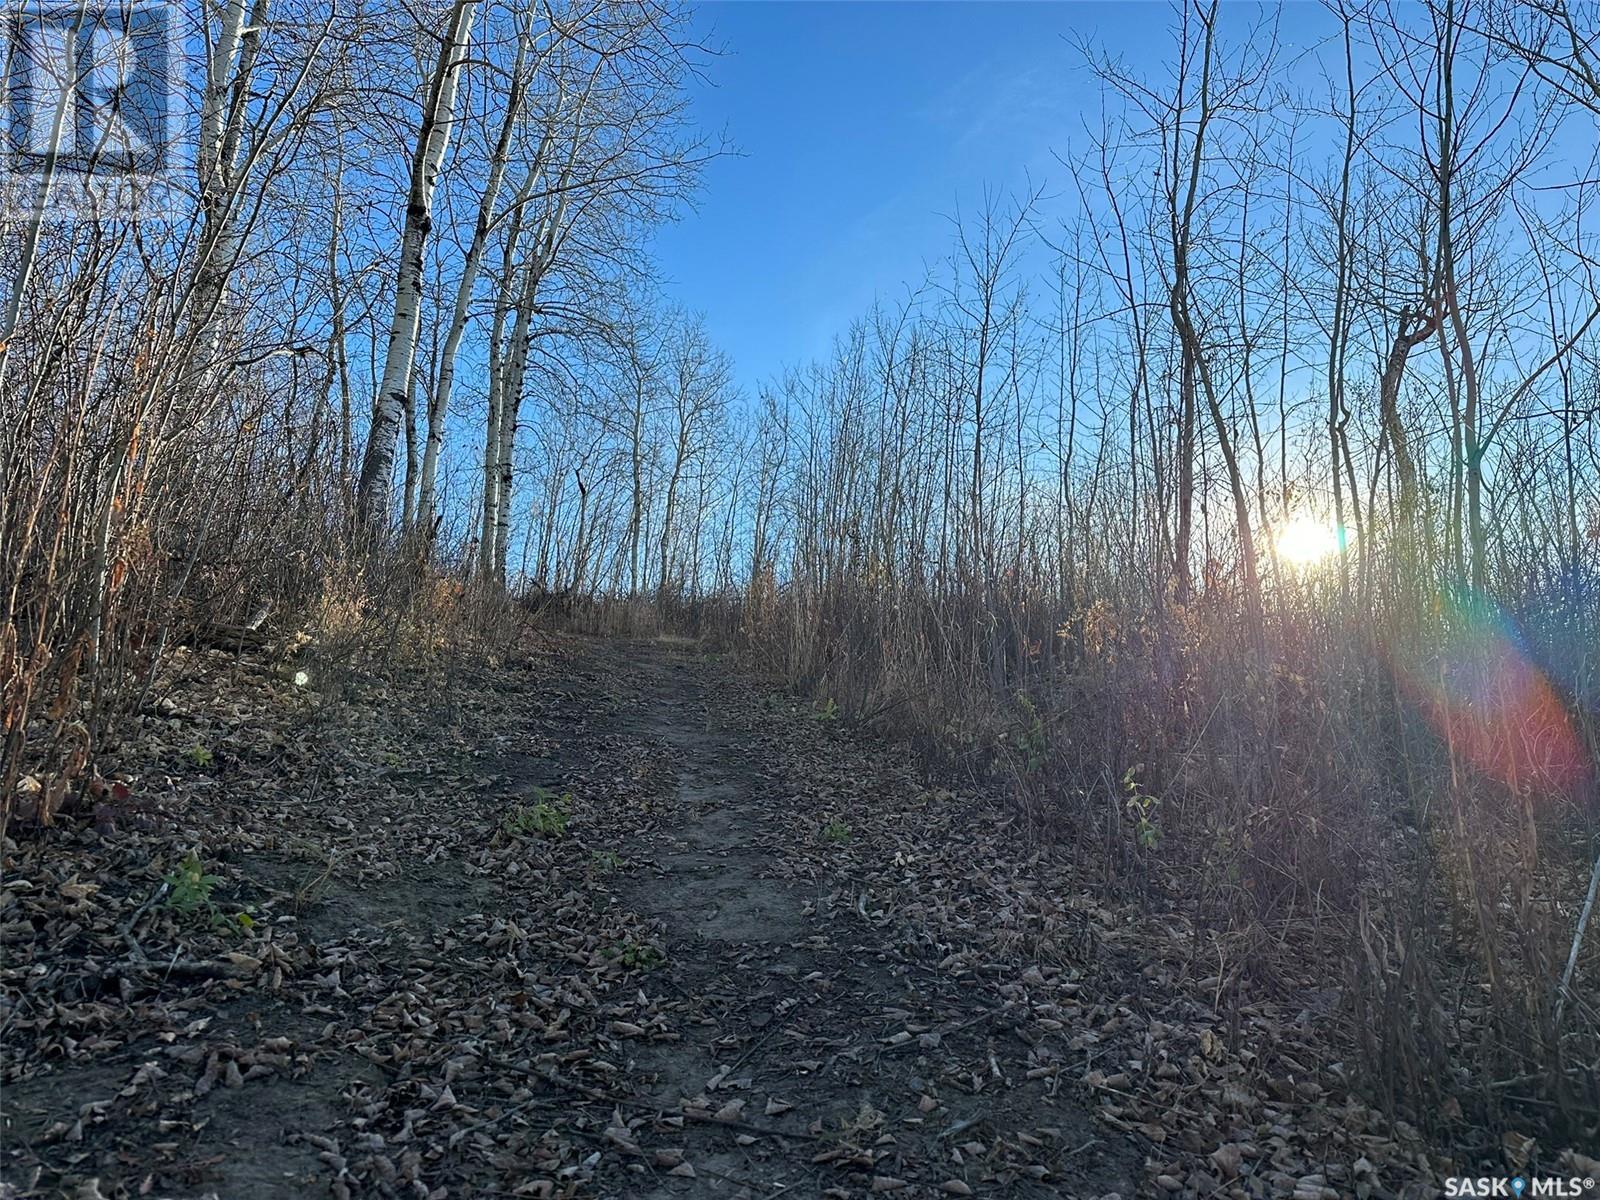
600 1097
1577 942
183 968
127 927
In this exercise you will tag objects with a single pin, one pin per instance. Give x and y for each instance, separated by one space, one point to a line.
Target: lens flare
1304 540
1486 697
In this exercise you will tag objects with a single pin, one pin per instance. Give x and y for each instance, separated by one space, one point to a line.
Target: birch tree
698 385
438 117
610 159
525 61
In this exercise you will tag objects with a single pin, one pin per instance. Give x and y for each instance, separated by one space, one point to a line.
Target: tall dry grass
1406 802
146 506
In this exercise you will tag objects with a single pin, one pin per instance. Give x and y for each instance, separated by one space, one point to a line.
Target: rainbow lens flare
1485 695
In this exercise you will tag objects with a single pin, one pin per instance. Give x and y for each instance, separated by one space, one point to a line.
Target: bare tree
438 117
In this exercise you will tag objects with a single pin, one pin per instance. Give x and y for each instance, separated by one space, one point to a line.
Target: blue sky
862 127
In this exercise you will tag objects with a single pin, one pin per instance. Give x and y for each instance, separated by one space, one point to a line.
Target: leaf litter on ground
688 989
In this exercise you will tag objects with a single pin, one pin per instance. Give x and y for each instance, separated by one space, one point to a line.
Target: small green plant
607 861
189 886
543 819
826 711
635 956
834 831
1141 806
547 816
200 756
1032 741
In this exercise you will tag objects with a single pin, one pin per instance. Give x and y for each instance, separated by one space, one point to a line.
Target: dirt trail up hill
610 921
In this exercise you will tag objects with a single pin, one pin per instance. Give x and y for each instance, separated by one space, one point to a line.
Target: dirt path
804 1015
610 920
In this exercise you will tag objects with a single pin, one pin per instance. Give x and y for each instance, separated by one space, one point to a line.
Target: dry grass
1426 849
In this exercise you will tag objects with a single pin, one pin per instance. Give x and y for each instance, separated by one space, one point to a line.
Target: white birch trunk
504 304
490 512
216 173
680 456
510 404
439 407
636 516
433 138
506 390
510 391
224 172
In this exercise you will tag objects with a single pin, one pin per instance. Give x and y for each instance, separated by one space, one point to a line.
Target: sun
1304 540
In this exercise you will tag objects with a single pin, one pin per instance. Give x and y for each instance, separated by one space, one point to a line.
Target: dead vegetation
323 956
1173 763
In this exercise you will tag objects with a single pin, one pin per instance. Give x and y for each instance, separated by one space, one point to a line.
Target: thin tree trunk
394 390
439 405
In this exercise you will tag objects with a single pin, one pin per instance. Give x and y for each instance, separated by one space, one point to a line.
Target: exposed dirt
795 1009
610 921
